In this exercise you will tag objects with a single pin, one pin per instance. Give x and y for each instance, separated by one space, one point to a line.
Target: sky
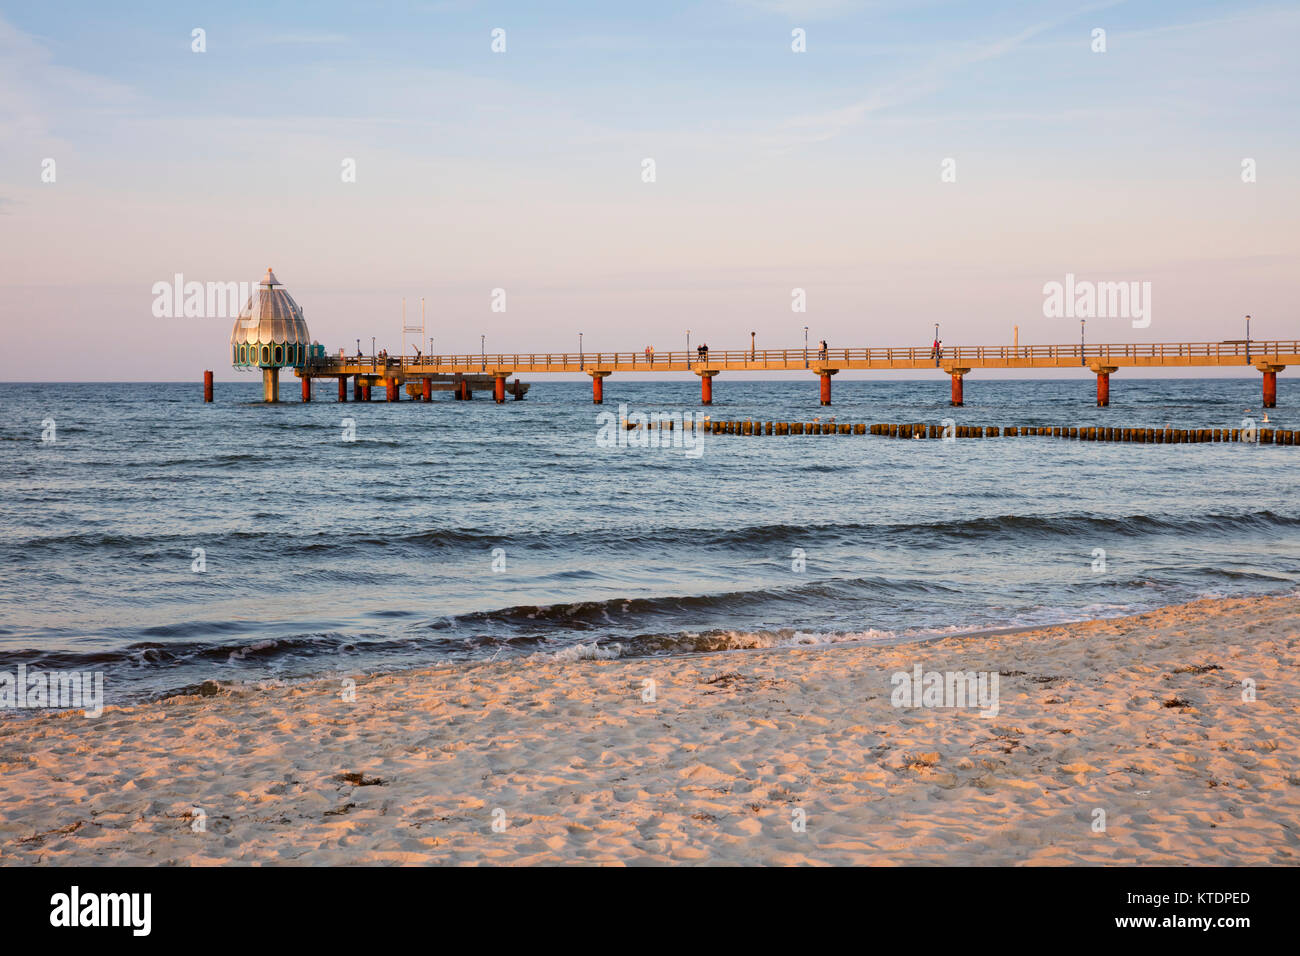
917 162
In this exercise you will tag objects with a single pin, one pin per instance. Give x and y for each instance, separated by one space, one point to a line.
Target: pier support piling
958 396
597 386
306 388
391 387
427 389
1270 383
343 388
270 384
1103 383
825 374
207 386
706 385
499 389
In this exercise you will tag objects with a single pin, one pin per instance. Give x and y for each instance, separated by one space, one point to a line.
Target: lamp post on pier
1082 360
805 346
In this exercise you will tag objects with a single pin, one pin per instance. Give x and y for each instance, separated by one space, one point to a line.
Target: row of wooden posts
1149 436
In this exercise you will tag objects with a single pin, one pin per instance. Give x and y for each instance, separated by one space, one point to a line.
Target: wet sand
774 756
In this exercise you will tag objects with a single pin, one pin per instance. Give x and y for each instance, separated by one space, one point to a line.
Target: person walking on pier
822 347
936 351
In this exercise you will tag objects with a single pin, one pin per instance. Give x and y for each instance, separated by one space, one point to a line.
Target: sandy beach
773 756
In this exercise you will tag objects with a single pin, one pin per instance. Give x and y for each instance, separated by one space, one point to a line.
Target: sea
164 542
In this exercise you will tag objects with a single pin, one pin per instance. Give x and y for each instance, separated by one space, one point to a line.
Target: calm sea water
328 557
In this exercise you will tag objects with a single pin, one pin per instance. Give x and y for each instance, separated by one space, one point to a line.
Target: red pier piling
1104 373
306 388
392 389
499 389
826 388
343 388
428 389
706 386
207 386
1270 387
958 398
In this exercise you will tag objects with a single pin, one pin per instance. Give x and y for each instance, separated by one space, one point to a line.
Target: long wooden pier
1269 357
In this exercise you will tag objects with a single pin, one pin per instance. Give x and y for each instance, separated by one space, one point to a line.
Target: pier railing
1008 356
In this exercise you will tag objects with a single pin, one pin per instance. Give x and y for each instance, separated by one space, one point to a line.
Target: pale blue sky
522 170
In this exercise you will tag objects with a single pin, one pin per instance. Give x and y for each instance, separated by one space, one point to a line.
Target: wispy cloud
805 9
300 39
930 79
33 88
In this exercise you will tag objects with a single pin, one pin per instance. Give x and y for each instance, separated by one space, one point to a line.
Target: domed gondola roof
271 317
